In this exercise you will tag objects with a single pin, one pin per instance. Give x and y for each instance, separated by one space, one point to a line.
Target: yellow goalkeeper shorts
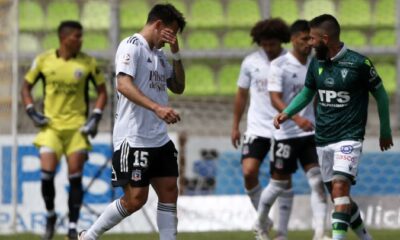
62 141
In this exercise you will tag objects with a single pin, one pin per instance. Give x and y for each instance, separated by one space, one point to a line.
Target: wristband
29 106
97 110
176 56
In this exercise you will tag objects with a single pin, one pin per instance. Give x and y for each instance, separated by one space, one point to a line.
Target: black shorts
288 151
255 147
138 165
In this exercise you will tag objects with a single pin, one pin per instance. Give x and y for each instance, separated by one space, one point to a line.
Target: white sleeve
275 79
244 80
168 67
126 58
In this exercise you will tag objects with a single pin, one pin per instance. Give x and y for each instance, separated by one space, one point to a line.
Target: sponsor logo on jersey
157 81
330 98
344 72
78 73
126 58
373 73
137 175
346 149
329 82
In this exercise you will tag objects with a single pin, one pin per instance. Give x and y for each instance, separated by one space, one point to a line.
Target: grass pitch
293 235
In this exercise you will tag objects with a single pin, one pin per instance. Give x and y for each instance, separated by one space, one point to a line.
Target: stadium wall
218 210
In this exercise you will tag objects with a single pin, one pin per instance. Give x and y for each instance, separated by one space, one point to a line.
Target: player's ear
158 24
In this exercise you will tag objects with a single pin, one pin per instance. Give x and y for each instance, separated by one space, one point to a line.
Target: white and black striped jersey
150 71
253 76
287 76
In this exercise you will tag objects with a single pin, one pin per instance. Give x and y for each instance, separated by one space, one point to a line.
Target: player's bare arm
279 104
101 96
177 83
238 109
130 91
26 93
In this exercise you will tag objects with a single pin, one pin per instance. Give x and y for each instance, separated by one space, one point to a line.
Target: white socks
254 195
112 215
268 197
285 201
167 221
318 200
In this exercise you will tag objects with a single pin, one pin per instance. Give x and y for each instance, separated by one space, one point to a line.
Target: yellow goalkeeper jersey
65 86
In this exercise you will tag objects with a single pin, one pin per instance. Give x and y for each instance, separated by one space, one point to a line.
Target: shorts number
140 158
283 150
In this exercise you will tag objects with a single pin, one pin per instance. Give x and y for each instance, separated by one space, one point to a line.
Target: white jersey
287 76
150 70
253 75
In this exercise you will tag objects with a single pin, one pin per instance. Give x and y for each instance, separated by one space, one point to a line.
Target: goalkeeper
64 125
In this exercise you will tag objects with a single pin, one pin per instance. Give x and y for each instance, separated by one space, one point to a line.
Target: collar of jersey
340 54
294 60
143 40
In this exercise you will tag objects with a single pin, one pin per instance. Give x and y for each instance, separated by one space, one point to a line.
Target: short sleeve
310 81
34 72
95 71
126 59
369 75
244 79
275 79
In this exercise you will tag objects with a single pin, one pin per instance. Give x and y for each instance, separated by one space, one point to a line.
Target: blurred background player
66 73
143 151
343 79
269 35
295 139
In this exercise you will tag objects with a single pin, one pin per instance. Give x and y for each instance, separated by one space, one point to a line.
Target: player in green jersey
342 80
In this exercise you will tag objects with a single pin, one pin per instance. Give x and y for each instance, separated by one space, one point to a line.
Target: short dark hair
300 25
273 28
328 23
167 13
68 24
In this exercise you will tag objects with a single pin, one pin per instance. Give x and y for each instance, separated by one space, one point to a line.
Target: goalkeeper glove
38 118
90 127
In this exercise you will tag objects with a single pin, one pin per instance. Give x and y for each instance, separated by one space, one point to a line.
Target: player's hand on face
168 36
303 123
235 138
167 114
385 143
280 118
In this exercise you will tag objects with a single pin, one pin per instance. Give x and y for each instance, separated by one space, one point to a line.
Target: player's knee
133 203
315 180
340 186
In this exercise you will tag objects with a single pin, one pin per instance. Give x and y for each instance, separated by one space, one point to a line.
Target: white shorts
342 157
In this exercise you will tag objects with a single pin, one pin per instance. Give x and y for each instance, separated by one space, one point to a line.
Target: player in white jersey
295 139
143 152
269 35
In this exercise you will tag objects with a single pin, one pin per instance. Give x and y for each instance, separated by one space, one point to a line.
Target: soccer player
269 35
143 152
66 74
341 79
295 140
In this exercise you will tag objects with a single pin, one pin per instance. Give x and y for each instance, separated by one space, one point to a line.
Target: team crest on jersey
329 82
344 72
136 175
78 73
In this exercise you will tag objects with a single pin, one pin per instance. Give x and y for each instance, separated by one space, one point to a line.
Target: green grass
297 235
